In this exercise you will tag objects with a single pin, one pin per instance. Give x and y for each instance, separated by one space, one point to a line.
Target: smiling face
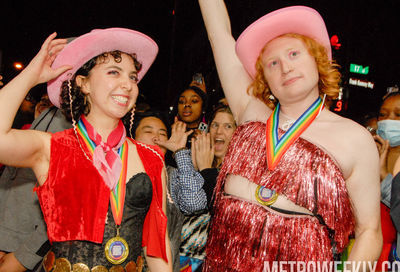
190 108
222 128
111 87
150 129
290 70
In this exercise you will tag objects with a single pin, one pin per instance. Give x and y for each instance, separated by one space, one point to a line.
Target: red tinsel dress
243 234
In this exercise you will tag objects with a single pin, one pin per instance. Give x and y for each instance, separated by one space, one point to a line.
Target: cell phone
203 127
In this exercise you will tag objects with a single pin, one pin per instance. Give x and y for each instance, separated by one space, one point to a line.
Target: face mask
390 130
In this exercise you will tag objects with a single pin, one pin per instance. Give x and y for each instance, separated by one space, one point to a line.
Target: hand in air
202 151
178 137
40 65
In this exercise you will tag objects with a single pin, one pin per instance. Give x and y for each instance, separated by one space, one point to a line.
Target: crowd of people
267 175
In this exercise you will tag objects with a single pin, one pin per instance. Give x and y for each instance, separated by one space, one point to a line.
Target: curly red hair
329 75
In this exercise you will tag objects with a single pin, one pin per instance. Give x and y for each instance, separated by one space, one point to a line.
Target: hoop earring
131 122
84 100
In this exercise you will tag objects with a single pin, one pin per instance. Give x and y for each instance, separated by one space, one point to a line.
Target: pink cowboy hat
85 47
296 19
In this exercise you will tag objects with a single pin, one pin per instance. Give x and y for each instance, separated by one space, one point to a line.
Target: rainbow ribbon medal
116 249
276 147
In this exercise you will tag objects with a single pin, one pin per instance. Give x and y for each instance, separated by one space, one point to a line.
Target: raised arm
25 148
233 76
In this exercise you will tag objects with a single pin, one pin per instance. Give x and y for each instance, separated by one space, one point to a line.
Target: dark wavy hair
71 92
162 116
329 75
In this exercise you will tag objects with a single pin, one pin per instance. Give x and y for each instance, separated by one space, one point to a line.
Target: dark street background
368 32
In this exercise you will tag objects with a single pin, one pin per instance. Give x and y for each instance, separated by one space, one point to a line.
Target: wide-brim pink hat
296 19
85 47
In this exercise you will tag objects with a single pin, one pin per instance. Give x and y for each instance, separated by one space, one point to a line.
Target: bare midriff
242 188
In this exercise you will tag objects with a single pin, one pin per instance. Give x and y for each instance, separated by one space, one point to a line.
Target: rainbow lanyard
276 147
117 196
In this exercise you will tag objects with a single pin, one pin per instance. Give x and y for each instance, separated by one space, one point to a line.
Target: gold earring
271 97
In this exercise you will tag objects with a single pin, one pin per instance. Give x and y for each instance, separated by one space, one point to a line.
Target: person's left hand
204 151
10 264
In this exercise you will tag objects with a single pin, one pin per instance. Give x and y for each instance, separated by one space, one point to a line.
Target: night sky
368 31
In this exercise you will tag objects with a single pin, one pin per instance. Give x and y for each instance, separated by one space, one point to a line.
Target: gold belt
51 264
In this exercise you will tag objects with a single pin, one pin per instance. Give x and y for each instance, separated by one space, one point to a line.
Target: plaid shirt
187 184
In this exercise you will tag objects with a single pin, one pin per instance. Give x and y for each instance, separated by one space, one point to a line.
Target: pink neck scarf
105 155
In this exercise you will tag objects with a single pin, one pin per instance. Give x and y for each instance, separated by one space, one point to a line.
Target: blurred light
18 65
335 42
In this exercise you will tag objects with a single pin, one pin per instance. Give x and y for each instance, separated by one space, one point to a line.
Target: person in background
26 111
150 127
43 104
191 106
388 118
370 122
388 142
297 180
208 151
23 237
395 210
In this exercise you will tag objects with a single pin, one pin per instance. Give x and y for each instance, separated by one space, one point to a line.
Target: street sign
358 69
361 83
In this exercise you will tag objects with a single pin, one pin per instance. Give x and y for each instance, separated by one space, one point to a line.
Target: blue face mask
390 130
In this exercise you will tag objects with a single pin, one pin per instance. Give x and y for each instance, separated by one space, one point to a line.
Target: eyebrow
195 95
144 127
120 69
215 122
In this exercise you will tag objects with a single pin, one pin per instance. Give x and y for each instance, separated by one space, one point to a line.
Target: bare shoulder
347 141
349 131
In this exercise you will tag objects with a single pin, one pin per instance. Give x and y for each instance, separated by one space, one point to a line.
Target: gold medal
265 196
117 249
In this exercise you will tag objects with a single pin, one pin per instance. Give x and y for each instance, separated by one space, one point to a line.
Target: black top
210 180
138 197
